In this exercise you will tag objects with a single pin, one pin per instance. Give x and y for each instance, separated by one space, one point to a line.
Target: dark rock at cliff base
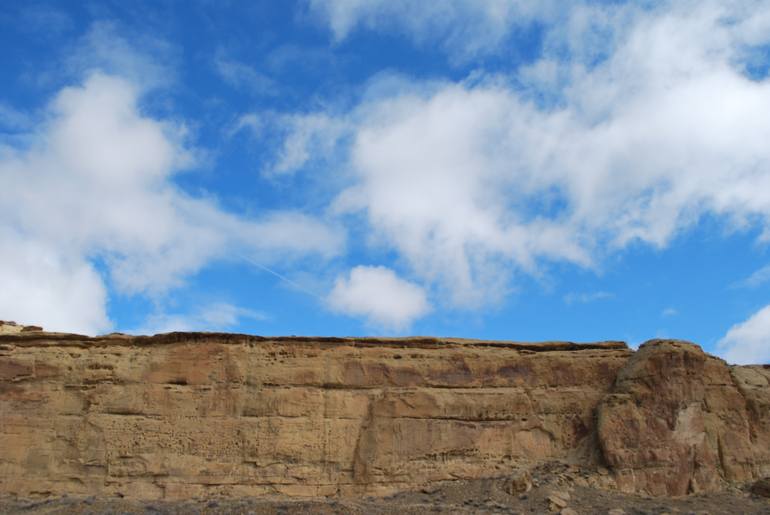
761 487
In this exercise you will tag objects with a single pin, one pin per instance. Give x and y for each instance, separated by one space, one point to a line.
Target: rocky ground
554 488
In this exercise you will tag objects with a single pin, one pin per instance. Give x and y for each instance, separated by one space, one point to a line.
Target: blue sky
479 168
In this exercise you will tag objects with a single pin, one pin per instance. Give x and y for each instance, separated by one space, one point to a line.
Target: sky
496 169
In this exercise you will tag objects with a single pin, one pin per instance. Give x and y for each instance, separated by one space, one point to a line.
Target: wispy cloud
466 28
584 298
244 76
13 120
217 316
305 139
756 279
107 47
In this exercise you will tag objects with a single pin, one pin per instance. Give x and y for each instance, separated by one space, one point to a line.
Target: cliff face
197 414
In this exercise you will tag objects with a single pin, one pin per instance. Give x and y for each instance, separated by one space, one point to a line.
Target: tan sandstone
184 415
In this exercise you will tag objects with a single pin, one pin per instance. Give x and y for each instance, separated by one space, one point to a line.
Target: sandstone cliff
183 415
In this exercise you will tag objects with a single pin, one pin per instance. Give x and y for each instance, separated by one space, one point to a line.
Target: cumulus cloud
41 285
378 295
95 185
748 342
475 181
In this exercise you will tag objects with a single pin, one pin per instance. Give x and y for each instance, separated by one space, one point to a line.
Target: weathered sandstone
184 415
678 421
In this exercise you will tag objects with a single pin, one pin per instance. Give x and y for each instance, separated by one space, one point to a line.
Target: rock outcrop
185 415
678 422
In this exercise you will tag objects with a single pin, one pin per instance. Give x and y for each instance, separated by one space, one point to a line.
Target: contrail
282 278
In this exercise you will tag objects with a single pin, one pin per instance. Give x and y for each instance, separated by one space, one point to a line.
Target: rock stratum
196 415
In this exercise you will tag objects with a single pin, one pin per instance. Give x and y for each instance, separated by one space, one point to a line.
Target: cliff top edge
12 332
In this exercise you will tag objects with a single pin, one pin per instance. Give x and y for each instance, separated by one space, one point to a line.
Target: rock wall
186 415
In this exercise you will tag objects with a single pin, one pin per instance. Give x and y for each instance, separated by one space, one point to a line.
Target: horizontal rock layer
201 414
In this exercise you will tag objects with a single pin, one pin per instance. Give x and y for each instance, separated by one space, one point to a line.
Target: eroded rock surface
188 415
678 421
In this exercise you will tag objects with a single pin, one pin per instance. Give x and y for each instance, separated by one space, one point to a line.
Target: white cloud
748 342
436 178
40 285
96 183
473 182
380 296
